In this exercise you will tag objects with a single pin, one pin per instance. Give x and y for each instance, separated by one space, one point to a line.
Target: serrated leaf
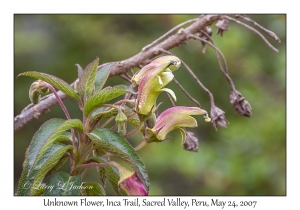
39 139
60 162
79 70
63 184
103 112
111 172
114 143
86 83
106 95
101 170
92 189
101 76
52 131
54 81
57 134
32 182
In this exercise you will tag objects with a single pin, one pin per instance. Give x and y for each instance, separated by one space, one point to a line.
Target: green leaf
57 134
63 184
44 144
111 172
114 143
101 76
61 161
31 180
79 70
54 81
101 170
103 112
92 189
86 83
106 95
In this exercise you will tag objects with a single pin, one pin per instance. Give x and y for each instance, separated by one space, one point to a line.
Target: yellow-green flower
174 118
153 83
163 60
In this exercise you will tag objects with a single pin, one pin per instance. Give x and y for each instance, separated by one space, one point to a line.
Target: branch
34 111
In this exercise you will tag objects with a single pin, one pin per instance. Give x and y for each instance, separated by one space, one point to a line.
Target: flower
151 85
240 104
121 121
132 185
155 63
174 118
129 181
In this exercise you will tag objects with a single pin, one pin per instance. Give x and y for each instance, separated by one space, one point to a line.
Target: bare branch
224 60
252 29
33 111
168 34
170 99
270 33
180 86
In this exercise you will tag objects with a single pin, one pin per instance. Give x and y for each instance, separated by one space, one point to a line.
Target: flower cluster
151 81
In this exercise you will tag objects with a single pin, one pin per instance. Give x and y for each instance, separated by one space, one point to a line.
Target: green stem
136 129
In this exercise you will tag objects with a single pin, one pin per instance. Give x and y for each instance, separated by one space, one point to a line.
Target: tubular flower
152 84
174 118
130 182
155 63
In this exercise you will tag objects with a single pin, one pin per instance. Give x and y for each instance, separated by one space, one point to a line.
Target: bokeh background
246 158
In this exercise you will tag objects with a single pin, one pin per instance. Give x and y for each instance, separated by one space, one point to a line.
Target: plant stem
135 130
67 115
140 146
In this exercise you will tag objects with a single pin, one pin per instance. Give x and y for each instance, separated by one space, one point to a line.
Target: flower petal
168 61
171 92
183 135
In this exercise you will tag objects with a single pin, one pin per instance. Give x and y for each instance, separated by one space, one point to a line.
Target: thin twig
196 78
132 72
224 60
125 78
252 29
181 87
155 42
170 99
186 93
107 121
199 82
62 105
33 111
270 33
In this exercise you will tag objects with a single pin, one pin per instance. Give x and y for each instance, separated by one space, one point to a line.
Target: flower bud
132 185
121 121
129 182
150 122
36 90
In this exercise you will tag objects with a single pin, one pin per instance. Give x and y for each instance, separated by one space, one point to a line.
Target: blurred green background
246 158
